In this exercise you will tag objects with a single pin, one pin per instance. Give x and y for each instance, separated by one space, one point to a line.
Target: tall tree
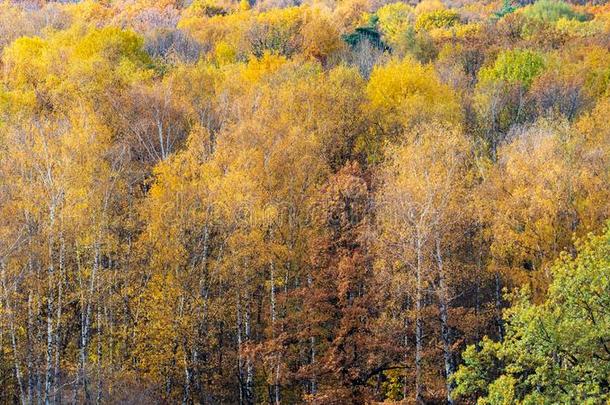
422 214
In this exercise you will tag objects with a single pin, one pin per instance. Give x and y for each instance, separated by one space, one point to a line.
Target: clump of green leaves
520 66
368 33
393 21
552 11
507 8
554 352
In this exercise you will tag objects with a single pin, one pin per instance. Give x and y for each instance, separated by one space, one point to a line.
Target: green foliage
419 44
554 352
507 8
480 365
515 66
368 33
552 11
392 386
576 28
393 20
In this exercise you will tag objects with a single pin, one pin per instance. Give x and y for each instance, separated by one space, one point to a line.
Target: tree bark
443 301
13 336
419 324
275 391
498 291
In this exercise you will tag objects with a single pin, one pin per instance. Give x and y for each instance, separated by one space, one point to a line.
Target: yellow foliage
350 14
457 31
429 6
320 37
438 19
210 31
89 13
407 93
14 23
577 28
74 64
257 68
224 53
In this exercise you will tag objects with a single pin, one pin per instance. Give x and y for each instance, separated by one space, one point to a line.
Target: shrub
552 11
516 66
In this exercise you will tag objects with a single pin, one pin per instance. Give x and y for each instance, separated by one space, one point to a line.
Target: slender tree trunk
419 324
202 330
499 323
98 317
249 394
30 340
405 387
445 328
521 104
48 379
187 378
477 297
56 377
275 389
86 309
13 336
240 363
313 386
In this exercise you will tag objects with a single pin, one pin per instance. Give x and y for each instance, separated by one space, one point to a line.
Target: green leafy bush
515 66
552 11
557 352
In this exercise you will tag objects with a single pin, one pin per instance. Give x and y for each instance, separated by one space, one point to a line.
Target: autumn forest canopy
318 201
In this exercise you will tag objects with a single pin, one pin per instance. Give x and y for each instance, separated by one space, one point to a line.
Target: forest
305 202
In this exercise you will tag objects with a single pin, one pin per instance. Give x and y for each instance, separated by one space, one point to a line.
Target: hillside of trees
317 202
